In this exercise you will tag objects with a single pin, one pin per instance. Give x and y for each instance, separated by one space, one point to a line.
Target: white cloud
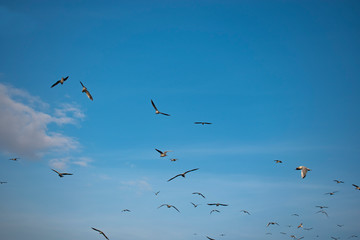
65 162
139 186
24 129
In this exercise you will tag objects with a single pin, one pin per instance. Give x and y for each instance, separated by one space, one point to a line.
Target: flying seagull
182 174
173 159
283 233
300 225
214 210
340 225
356 187
14 159
321 207
195 205
101 232
331 193
322 211
86 91
202 123
62 80
277 161
338 181
335 238
272 223
157 111
217 204
61 174
304 170
169 206
244 211
162 154
2 182
210 238
295 214
200 194
157 193
126 210
307 229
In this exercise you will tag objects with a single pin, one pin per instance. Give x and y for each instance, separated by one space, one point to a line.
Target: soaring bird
307 229
2 182
182 174
272 223
356 187
62 80
14 159
157 193
200 194
217 204
61 174
214 210
157 111
202 123
277 161
173 159
195 205
283 233
321 207
335 238
338 181
101 232
304 170
300 226
169 206
86 91
162 154
126 210
295 214
340 225
353 236
322 211
210 238
244 211
331 193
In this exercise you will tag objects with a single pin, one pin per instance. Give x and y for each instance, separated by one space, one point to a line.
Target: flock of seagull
304 170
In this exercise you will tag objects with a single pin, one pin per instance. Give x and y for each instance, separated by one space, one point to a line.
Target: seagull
272 223
126 210
200 194
86 91
244 211
283 233
300 225
101 232
308 229
195 205
322 211
214 210
340 225
162 154
169 206
61 174
210 238
157 193
356 187
353 236
295 214
222 235
202 123
277 161
321 207
182 174
335 238
173 159
157 111
338 181
14 159
2 182
304 170
217 204
62 80
331 193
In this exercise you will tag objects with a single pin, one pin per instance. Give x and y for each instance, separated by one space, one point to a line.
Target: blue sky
278 80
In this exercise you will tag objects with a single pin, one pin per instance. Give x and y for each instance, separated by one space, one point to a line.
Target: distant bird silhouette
126 210
300 225
101 232
210 238
200 194
214 210
356 187
14 159
86 91
321 207
353 236
322 211
195 205
307 229
272 223
304 170
217 204
222 235
277 161
157 111
244 211
338 181
162 154
335 238
331 193
3 182
169 206
61 174
173 159
283 233
295 214
340 225
202 123
62 80
157 193
182 174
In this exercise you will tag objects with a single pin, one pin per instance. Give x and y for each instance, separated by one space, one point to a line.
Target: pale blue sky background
279 80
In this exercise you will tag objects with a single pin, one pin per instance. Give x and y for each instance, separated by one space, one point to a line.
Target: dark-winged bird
214 210
244 211
338 181
202 123
217 204
157 111
272 223
169 206
86 91
277 161
200 194
62 80
162 154
101 232
14 159
61 174
356 187
210 238
331 193
182 174
2 182
195 205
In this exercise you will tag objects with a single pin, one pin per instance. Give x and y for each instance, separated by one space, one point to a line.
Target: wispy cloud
140 185
24 128
65 162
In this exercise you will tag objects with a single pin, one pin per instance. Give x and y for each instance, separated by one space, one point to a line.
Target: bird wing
66 173
303 172
173 177
55 171
162 205
197 122
82 84
201 195
355 185
193 204
221 204
191 170
154 105
164 114
66 78
159 151
175 208
89 95
55 84
211 204
104 235
207 123
96 229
